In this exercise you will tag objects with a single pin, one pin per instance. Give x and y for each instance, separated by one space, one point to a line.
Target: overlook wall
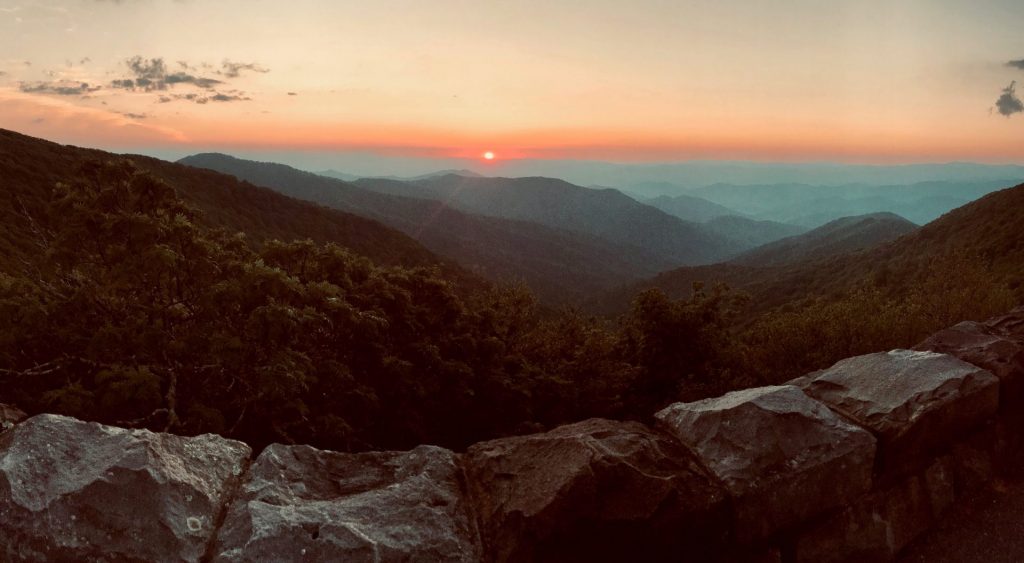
850 463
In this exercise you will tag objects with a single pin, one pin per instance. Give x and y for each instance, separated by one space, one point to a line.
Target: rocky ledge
847 464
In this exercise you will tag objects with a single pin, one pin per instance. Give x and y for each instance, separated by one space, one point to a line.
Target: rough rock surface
913 401
877 527
983 346
77 491
1010 324
9 416
303 504
596 490
783 456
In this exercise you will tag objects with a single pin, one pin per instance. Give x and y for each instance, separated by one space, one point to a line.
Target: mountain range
31 167
559 264
882 251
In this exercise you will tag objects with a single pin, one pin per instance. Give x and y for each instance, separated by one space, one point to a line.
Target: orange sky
865 81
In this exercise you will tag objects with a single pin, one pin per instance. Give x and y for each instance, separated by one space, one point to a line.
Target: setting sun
488 155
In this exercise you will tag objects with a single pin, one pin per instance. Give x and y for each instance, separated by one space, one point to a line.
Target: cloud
1019 64
293 93
202 98
58 88
1008 103
150 75
65 121
234 70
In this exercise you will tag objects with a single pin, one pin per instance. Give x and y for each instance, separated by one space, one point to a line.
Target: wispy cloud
59 88
68 121
151 75
204 98
234 70
1008 103
1019 64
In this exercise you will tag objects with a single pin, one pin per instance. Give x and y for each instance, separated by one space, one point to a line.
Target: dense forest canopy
127 304
133 312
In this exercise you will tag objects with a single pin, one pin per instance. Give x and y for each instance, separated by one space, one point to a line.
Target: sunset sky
800 80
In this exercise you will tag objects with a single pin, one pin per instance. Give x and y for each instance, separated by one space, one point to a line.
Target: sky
865 81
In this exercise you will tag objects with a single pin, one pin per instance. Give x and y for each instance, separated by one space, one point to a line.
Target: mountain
353 177
606 213
31 167
751 233
339 175
652 179
986 231
690 208
815 205
558 264
841 236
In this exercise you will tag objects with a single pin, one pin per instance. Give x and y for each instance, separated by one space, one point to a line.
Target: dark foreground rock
913 401
597 490
9 416
880 525
77 491
783 456
303 504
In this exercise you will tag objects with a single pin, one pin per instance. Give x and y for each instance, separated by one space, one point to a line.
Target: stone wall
851 463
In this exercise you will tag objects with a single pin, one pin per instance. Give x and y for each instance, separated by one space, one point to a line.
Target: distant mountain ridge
690 208
31 167
988 230
353 177
558 264
814 205
751 233
607 213
841 236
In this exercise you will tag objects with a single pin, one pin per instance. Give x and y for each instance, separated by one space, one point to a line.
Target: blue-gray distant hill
690 208
815 205
605 213
847 234
557 263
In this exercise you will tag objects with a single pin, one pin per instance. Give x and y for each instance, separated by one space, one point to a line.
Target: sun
488 155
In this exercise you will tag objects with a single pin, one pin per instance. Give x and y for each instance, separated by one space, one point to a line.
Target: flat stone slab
783 456
597 490
78 491
912 401
983 346
299 503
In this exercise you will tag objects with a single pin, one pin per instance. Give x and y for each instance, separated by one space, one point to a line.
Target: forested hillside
30 168
841 236
558 264
127 295
123 302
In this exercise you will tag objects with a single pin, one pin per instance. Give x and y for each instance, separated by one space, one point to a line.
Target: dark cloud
1008 103
1019 63
234 70
204 98
58 88
151 75
135 115
293 93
